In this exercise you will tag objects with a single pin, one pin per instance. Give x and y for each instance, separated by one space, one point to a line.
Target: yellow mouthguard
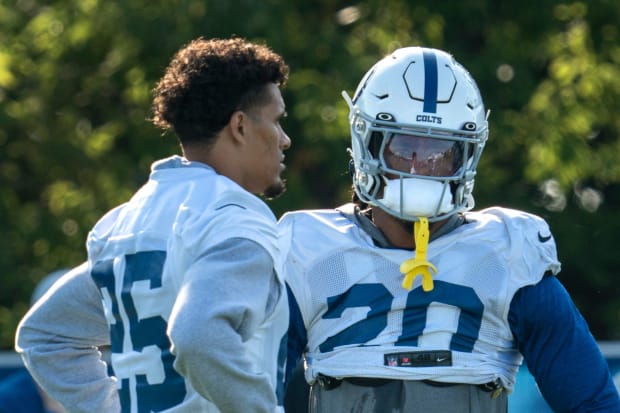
418 265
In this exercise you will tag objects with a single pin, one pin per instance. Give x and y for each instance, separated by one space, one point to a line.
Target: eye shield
426 156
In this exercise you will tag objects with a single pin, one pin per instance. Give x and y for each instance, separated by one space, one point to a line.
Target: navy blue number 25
147 336
379 299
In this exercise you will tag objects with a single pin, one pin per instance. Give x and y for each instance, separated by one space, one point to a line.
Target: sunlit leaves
63 197
76 75
7 78
101 141
567 110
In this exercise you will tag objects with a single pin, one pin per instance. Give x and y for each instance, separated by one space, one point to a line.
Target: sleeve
221 303
296 388
560 351
297 335
297 289
59 340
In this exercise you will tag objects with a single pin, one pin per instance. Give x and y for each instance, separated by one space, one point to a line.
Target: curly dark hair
208 80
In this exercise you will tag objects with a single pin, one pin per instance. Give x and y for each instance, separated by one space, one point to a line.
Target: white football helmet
418 128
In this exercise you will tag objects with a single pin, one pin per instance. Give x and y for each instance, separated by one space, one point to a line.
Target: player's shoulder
507 218
325 230
522 236
226 212
235 200
316 221
217 209
310 215
224 198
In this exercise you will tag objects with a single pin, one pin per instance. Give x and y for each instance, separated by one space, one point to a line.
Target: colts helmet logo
431 91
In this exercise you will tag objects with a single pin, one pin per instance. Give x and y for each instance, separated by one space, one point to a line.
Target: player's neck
392 229
399 233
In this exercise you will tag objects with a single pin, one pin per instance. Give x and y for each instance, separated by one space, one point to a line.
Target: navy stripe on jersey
227 205
430 82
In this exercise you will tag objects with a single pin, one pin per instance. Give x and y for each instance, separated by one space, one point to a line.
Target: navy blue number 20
147 336
379 299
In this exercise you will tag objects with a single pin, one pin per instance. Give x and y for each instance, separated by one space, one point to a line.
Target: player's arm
58 340
560 351
296 388
297 335
220 306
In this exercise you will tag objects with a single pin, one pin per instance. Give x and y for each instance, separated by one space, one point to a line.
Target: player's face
268 144
421 155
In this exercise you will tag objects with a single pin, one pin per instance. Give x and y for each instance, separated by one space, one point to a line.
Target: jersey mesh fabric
352 303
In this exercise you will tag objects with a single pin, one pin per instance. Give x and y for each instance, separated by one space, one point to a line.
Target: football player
168 272
407 300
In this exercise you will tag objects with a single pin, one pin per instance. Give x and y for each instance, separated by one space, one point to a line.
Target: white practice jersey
140 268
361 322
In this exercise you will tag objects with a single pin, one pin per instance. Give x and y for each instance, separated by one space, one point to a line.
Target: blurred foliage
76 75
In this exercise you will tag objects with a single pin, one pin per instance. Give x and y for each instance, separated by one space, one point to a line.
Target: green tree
76 75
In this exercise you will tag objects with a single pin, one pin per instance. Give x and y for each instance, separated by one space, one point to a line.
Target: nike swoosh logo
439 360
542 238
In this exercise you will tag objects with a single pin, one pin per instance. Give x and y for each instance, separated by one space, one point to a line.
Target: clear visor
422 155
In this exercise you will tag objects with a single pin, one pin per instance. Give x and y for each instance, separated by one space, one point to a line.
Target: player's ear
238 125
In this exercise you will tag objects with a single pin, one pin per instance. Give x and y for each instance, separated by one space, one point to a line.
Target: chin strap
418 265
